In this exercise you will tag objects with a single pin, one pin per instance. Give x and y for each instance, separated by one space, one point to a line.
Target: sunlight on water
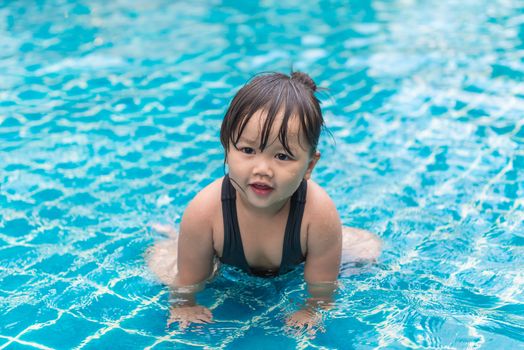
109 121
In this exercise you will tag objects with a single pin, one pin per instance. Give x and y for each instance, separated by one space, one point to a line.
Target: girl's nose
263 168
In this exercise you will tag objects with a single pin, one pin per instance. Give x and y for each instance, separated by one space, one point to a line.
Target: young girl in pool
266 216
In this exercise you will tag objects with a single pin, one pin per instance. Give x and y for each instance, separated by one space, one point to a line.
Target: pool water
109 122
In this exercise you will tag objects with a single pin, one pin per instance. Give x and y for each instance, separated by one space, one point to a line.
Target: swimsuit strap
233 251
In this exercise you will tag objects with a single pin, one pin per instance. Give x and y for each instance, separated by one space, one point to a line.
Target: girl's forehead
255 125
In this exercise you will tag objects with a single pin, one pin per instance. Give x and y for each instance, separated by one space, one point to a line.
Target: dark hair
274 92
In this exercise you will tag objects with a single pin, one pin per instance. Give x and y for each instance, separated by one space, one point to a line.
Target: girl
266 215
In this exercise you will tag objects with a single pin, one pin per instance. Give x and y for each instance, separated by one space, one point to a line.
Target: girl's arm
324 239
195 261
324 246
195 243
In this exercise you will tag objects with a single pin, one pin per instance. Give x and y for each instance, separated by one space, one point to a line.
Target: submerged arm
320 295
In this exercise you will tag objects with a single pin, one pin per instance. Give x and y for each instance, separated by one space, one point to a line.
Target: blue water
109 119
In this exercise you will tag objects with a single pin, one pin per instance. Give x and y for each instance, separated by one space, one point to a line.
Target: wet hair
274 93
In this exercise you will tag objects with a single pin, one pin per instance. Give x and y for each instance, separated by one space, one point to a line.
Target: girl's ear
311 165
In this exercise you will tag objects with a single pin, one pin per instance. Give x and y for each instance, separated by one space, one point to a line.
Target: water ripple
109 120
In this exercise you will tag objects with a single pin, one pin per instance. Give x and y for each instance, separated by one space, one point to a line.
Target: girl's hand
185 315
306 320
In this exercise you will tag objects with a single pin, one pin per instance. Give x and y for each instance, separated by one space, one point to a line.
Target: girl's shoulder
316 196
320 211
206 202
209 196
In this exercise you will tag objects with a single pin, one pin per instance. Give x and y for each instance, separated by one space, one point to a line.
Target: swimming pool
109 119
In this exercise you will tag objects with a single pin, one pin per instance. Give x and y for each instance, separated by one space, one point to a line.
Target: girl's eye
282 156
247 150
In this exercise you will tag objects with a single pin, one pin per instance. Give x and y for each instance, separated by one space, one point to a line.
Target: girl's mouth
261 189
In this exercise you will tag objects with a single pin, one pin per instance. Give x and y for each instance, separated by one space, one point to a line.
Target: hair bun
304 79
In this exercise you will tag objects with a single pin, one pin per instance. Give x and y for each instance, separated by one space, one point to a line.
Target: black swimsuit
233 251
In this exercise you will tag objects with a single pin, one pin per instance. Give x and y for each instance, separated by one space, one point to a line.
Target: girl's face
267 179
